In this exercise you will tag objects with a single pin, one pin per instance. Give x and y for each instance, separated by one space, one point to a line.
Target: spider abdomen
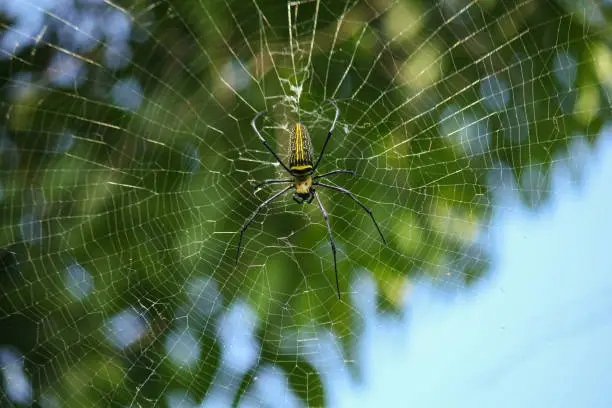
300 151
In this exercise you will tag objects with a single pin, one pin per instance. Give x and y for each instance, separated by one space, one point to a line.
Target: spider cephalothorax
303 189
301 168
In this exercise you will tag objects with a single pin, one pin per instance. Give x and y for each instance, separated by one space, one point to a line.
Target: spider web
127 166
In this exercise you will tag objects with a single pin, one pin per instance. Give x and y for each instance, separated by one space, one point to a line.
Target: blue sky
536 333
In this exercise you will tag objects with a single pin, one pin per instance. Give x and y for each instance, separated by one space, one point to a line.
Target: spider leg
345 191
328 133
297 201
271 181
335 172
331 239
254 126
262 205
311 197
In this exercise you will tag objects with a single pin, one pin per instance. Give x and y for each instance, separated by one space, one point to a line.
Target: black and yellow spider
301 168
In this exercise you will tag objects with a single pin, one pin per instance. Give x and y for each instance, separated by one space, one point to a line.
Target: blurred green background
127 166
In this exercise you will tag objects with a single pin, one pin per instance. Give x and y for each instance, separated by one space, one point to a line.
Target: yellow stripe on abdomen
301 167
299 143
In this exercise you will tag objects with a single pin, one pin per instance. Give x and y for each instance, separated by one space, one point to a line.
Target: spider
301 168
